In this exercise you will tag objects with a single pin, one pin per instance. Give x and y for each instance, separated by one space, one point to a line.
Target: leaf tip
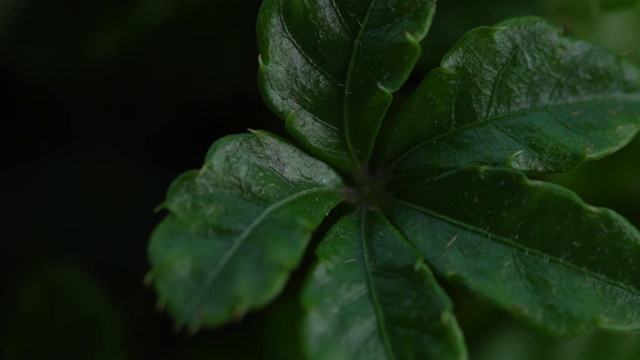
512 158
411 38
255 132
586 152
384 89
262 67
593 209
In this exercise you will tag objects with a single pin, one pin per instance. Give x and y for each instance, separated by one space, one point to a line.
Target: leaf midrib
628 99
214 272
348 84
380 320
518 246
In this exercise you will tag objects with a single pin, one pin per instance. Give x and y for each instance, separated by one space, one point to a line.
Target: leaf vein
511 136
215 271
499 80
339 16
520 247
570 69
295 105
349 82
623 99
380 320
304 54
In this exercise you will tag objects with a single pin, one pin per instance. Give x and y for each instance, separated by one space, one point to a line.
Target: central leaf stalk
369 191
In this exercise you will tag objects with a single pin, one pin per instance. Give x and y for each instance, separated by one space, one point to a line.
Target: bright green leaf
518 94
237 227
533 248
371 297
329 67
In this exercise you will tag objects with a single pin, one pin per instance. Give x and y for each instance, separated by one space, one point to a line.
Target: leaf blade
237 227
518 94
329 68
371 297
516 254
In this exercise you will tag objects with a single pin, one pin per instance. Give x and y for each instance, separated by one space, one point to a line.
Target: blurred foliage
105 102
513 342
67 312
613 182
492 335
454 18
613 23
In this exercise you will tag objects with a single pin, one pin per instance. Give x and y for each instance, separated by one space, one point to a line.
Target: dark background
103 103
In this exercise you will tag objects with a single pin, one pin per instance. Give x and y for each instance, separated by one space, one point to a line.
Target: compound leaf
328 67
518 94
371 296
533 248
237 227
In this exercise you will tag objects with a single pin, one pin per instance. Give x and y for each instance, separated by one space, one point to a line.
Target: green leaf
329 67
237 227
520 95
371 296
532 248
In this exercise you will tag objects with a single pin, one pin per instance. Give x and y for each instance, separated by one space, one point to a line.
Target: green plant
440 186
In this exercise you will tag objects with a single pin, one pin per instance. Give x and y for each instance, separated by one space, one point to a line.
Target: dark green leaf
372 297
237 227
520 95
533 248
329 67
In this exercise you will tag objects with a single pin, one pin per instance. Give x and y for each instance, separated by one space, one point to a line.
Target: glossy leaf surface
518 94
237 227
533 248
329 67
371 296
